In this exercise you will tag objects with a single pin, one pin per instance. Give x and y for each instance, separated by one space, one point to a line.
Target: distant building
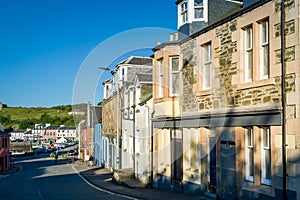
76 113
68 132
86 131
51 132
4 151
20 134
38 131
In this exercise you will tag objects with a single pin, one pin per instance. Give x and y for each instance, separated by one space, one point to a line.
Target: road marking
100 189
38 189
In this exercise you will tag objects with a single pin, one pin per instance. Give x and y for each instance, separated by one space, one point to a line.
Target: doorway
177 157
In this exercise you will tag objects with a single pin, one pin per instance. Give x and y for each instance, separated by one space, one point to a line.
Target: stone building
219 130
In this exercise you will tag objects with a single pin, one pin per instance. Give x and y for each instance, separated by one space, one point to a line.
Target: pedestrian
56 157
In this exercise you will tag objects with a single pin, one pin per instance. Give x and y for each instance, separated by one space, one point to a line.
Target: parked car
72 152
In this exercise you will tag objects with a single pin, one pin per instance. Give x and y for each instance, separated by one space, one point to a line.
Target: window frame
248 38
249 147
199 7
172 73
206 66
263 45
160 78
184 15
264 150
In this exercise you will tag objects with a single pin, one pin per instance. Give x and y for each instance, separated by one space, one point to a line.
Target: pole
283 100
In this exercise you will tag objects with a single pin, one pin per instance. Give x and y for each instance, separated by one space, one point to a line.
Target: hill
22 118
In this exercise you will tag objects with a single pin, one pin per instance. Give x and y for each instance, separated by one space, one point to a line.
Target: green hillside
22 118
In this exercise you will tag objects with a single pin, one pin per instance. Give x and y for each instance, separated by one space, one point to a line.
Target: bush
65 155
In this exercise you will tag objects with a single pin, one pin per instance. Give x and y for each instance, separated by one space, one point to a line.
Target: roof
52 127
214 25
136 60
110 80
67 127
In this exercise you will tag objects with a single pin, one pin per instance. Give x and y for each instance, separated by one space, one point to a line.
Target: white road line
38 189
100 189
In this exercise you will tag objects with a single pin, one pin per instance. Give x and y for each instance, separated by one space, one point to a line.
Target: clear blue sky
43 43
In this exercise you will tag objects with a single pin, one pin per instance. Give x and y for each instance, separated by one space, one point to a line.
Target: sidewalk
102 178
13 169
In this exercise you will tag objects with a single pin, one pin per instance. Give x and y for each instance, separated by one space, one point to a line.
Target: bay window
174 76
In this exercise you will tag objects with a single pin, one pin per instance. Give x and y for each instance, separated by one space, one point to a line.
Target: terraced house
218 104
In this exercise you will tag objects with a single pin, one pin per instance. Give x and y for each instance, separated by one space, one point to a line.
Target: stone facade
109 116
233 97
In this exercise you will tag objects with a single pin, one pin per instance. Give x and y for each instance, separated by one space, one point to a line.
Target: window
161 79
249 144
174 76
184 12
207 68
264 50
265 156
194 152
198 9
248 38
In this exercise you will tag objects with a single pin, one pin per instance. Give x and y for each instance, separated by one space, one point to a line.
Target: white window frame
248 50
184 15
173 73
199 7
249 146
265 131
160 79
264 46
207 66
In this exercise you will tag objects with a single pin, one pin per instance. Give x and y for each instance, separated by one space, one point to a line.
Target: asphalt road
42 179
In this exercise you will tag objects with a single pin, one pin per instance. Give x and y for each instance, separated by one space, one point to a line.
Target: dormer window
190 11
198 9
184 12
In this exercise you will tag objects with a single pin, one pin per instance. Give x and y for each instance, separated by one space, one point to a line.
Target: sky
45 45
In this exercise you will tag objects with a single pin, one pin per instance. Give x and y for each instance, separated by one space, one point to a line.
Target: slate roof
52 127
136 60
67 128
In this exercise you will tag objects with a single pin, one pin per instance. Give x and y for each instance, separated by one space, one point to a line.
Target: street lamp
112 71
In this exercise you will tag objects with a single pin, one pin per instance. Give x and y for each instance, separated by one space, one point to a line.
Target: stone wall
110 117
188 99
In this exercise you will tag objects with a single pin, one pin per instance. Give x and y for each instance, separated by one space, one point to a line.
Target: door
212 180
177 158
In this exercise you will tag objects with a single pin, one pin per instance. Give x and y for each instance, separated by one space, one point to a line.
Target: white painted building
68 132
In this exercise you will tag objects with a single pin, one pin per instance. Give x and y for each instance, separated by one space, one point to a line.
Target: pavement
102 179
15 168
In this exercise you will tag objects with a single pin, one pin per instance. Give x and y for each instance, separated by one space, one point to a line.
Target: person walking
56 157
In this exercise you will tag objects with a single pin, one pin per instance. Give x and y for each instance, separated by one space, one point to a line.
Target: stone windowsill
262 189
255 84
203 92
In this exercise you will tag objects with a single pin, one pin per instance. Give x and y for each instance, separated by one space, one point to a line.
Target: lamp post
117 114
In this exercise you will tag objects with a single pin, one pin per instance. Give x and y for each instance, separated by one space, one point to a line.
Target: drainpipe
151 144
283 100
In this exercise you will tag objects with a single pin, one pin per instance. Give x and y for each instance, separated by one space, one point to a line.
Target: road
42 179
